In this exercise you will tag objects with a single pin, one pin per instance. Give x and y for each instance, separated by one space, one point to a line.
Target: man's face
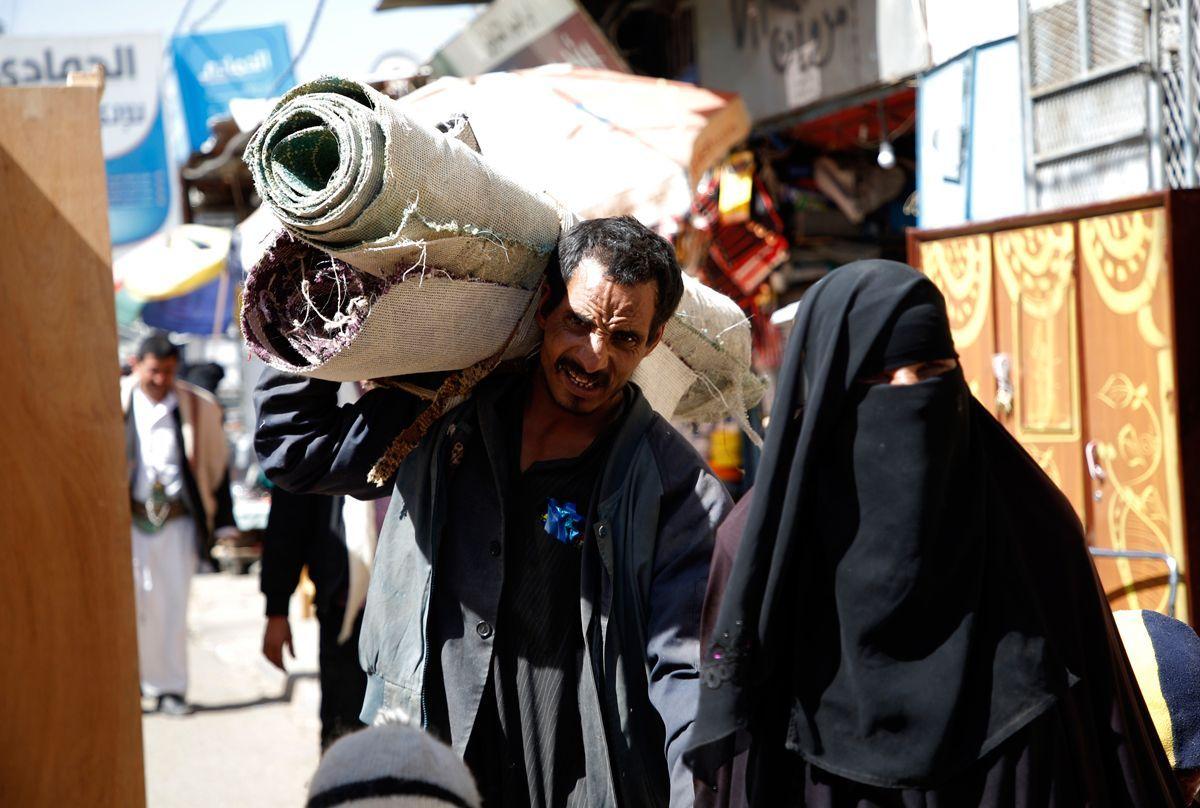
595 337
156 375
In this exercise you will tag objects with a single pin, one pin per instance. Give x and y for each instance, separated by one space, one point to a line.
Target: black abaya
912 617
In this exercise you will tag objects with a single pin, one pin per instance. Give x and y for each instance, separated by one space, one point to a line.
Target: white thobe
163 562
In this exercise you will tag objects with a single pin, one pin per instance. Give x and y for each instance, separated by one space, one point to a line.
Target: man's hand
277 635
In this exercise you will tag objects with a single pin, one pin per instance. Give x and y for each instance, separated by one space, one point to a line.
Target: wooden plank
1043 217
71 721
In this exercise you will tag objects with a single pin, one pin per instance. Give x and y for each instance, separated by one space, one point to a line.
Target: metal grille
1116 32
1054 42
1091 116
1093 176
1179 60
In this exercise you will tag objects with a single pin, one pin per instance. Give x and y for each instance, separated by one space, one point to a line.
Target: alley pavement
254 738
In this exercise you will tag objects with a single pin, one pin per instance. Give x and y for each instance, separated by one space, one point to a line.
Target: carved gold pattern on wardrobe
1124 255
1044 457
962 269
1135 513
1036 267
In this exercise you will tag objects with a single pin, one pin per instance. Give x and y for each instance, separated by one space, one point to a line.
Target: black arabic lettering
50 68
809 41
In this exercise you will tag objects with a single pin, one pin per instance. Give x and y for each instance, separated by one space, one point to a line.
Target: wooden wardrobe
1080 330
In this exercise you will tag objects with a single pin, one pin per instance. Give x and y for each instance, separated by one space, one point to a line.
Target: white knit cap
392 765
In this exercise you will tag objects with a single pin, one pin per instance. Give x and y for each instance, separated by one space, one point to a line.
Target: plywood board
70 723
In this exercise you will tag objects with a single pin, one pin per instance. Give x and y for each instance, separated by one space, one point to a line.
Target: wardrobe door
961 268
1037 334
1131 448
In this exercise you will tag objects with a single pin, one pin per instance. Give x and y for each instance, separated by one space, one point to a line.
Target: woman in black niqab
912 617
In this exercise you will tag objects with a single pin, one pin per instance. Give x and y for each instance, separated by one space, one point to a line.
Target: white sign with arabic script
129 106
131 121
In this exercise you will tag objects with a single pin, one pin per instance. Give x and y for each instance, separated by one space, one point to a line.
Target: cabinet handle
1095 470
1002 370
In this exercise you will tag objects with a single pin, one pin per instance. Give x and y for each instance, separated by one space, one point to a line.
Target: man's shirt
159 457
522 751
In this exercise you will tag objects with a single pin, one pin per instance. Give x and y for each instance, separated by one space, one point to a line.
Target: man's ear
544 308
655 337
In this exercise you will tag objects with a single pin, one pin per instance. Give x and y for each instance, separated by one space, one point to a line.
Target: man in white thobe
179 494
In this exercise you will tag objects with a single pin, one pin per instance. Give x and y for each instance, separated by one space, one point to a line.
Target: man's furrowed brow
583 318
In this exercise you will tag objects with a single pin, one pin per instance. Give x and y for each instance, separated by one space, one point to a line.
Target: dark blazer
304 529
643 572
190 494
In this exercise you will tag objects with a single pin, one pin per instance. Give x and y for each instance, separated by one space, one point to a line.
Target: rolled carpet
345 170
306 312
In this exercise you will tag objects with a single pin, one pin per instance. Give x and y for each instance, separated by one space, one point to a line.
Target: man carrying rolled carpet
537 586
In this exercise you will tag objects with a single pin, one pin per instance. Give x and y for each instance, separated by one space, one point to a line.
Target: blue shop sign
215 67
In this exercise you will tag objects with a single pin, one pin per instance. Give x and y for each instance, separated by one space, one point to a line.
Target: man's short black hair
631 253
158 345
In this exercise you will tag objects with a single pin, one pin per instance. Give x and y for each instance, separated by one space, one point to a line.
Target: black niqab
880 619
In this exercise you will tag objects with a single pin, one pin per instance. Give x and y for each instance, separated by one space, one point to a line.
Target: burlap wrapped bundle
345 170
701 370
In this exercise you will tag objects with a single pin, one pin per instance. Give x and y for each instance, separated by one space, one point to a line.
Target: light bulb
887 156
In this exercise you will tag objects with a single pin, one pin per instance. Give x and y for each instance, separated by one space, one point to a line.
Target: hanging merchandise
768 344
736 191
725 452
857 190
174 262
746 253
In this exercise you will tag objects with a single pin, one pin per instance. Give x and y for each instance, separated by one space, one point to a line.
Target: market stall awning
600 142
178 280
173 263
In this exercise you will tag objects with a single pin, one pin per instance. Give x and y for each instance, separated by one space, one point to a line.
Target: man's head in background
155 364
617 285
392 765
1165 656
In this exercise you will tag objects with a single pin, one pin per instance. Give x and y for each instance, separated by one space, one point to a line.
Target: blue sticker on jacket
562 522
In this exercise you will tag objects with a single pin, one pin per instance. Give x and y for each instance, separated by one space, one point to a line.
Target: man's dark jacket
304 530
643 576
